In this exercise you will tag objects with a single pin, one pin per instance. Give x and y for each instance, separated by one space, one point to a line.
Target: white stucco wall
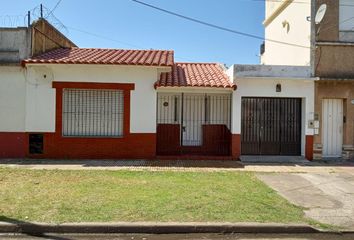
12 99
40 97
298 31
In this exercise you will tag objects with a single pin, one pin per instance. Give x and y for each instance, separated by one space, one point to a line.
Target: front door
332 125
193 119
271 126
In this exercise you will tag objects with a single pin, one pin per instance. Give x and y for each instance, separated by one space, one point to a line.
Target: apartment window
93 113
346 15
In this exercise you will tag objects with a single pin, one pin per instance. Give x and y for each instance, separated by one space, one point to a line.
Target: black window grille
93 113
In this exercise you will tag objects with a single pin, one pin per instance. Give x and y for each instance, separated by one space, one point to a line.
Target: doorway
193 124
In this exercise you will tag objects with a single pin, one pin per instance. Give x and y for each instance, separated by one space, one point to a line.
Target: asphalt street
182 237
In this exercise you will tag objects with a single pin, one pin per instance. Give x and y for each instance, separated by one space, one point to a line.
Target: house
120 104
60 101
334 92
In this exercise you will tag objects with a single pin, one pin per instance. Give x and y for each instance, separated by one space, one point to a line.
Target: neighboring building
274 103
333 65
331 58
17 44
23 42
287 21
273 106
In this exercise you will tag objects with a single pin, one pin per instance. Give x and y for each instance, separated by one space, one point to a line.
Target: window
346 15
93 113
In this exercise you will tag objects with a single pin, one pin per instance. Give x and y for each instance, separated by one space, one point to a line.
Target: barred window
93 113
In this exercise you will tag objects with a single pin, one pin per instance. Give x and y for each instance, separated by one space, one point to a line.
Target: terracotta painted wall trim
236 146
309 147
93 85
13 145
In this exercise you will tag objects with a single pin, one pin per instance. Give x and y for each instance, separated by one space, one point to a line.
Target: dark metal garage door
271 126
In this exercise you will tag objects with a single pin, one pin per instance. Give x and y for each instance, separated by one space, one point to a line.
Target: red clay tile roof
195 75
105 56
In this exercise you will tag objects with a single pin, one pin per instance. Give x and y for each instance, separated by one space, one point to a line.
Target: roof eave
228 88
39 62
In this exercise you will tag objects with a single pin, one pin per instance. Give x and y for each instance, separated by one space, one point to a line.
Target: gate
193 124
271 126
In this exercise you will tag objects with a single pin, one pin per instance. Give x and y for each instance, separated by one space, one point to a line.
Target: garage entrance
271 126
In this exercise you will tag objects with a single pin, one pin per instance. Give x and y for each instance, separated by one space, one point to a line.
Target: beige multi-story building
333 64
328 47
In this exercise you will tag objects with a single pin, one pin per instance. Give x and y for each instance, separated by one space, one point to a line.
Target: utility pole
41 10
28 18
313 38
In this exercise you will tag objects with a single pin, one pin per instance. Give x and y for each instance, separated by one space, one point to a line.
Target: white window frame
93 113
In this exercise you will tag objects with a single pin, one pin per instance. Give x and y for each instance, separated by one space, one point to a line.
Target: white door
193 119
332 125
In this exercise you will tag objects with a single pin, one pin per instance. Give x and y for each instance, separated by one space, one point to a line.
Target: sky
126 24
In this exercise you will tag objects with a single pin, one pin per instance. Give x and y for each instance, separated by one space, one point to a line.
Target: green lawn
90 196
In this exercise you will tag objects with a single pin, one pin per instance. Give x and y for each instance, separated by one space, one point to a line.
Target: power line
217 26
334 25
114 40
279 1
104 37
55 7
300 2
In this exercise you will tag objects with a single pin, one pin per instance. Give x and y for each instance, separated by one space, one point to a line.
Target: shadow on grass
29 229
128 163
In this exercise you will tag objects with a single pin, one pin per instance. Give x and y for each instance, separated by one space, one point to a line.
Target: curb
154 228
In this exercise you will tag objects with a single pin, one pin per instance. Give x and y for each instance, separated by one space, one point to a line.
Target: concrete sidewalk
326 197
192 236
181 165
